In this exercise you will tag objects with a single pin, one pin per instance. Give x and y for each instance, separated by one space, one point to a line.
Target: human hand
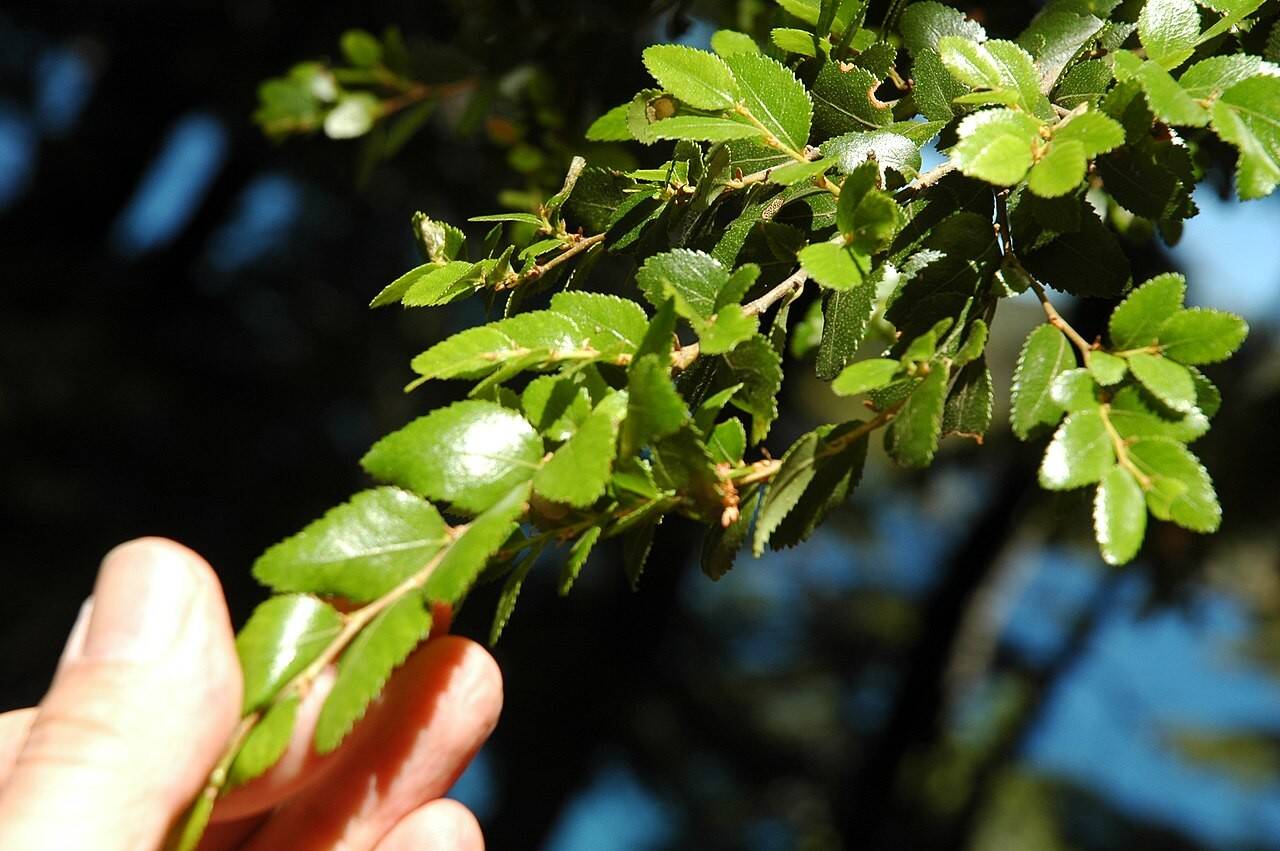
147 694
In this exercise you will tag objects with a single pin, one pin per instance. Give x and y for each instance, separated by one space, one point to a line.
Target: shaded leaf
1046 354
471 550
578 553
912 437
579 470
1178 488
366 665
265 744
816 475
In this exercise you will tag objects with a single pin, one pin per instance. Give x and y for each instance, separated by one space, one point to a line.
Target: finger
13 735
137 714
300 766
416 740
442 825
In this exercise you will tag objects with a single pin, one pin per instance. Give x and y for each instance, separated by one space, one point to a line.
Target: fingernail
74 648
142 598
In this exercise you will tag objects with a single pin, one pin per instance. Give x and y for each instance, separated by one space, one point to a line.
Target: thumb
146 697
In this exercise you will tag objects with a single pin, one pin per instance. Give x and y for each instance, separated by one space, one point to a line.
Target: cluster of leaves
795 174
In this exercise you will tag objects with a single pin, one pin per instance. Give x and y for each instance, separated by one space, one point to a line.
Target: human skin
147 694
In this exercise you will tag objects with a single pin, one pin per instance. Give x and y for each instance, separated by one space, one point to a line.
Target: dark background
184 351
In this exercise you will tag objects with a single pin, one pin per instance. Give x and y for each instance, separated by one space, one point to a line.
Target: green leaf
395 290
440 286
1248 116
612 126
789 174
579 470
729 42
439 241
1198 335
833 266
654 408
577 558
1080 453
1059 171
361 49
1046 354
700 128
265 744
995 66
611 324
1095 132
996 145
774 97
1136 322
842 100
729 328
758 366
889 150
1168 30
970 403
1167 99
923 24
793 40
720 544
1075 390
1233 12
694 276
1209 78
1168 381
359 550
469 454
1119 516
364 668
282 636
522 218
526 339
511 593
683 463
696 77
1085 82
728 442
354 116
555 406
912 437
1055 37
935 90
865 375
1107 368
974 344
816 475
1178 488
875 222
845 318
659 335
1133 417
480 539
